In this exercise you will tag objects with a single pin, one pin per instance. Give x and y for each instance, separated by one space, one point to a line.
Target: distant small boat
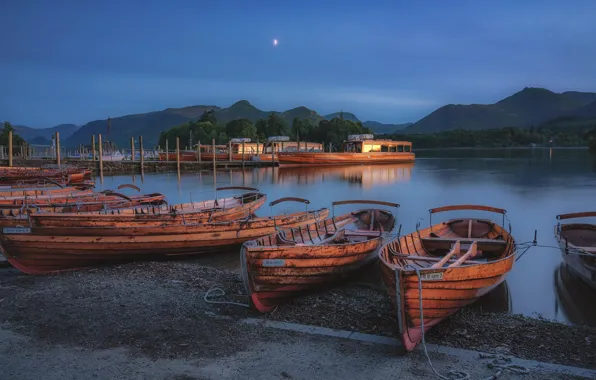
114 156
295 260
578 245
454 263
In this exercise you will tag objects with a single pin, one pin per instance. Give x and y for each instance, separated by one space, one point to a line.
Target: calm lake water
534 185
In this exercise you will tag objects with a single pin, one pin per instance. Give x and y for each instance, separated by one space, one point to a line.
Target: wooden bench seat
483 245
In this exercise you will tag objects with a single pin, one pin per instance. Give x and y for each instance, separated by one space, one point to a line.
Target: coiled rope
220 293
462 375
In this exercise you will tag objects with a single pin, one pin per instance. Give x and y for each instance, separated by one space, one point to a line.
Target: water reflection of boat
573 296
497 301
361 175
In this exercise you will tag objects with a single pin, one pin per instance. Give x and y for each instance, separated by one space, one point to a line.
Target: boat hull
52 249
445 289
580 266
330 158
154 216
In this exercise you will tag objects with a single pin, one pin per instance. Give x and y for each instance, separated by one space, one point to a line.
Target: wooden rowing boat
578 245
296 260
223 209
40 250
454 263
103 200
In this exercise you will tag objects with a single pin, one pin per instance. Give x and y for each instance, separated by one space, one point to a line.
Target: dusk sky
67 61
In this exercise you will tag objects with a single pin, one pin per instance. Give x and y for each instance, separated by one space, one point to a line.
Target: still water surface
534 185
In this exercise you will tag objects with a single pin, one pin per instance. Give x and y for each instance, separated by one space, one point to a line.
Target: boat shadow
573 297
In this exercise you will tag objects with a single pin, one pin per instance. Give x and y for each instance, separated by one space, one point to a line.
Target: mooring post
214 165
199 151
243 151
178 155
230 151
273 153
142 152
58 148
93 147
132 149
10 148
167 153
100 147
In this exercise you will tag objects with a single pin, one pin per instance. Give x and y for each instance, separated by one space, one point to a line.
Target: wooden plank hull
199 212
330 158
445 290
321 254
51 249
580 262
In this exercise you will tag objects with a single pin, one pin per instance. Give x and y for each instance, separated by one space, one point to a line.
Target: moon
275 42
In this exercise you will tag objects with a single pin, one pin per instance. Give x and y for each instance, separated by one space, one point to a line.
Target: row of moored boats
429 274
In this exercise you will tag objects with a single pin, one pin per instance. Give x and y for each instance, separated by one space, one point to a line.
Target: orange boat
358 149
296 260
578 246
37 250
223 209
432 273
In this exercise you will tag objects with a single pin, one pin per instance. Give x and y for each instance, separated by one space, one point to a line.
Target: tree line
207 128
563 136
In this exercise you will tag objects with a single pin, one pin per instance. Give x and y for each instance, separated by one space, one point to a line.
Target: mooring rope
220 293
461 375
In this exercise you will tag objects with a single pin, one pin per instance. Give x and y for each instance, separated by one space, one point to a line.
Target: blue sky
67 61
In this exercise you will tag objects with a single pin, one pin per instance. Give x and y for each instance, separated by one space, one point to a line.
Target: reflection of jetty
362 175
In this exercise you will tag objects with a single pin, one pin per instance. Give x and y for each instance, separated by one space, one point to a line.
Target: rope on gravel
220 293
463 375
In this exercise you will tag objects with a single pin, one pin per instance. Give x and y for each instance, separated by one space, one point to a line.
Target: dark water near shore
534 185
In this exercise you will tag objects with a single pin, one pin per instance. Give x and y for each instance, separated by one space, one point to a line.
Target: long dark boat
296 260
578 245
438 270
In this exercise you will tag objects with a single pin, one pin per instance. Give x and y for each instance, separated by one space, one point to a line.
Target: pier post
142 152
230 151
214 165
178 155
199 151
10 148
100 155
167 153
58 148
273 153
132 149
243 151
93 147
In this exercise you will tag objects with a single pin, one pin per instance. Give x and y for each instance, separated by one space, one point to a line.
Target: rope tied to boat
220 293
462 375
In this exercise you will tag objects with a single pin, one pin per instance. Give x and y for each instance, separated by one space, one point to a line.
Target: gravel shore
157 309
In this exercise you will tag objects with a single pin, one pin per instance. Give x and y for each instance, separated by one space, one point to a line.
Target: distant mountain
381 128
41 135
524 108
149 125
346 115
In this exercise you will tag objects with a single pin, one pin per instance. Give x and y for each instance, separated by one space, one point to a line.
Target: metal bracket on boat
468 207
353 201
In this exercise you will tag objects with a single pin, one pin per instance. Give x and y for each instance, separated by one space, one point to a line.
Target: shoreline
124 306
